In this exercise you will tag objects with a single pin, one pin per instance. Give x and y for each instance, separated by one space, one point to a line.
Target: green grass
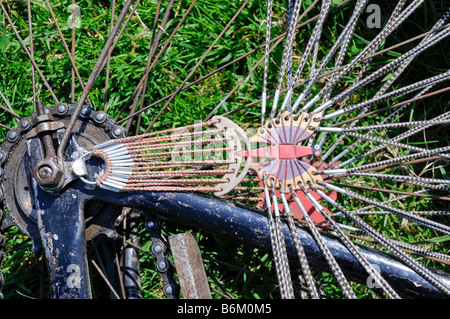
23 271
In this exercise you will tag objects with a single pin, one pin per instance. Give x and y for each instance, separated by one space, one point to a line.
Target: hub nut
48 174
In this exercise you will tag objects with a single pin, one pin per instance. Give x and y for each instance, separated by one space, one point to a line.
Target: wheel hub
283 163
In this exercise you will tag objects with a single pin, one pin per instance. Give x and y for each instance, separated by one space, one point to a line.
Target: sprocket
16 158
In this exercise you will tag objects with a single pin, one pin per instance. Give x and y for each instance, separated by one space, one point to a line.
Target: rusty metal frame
220 217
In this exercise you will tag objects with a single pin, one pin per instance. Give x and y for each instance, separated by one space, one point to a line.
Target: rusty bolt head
45 172
48 174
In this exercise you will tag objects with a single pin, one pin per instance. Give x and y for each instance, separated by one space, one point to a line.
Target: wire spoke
278 248
200 61
347 290
354 249
94 74
408 215
388 244
369 159
303 261
66 47
30 57
33 75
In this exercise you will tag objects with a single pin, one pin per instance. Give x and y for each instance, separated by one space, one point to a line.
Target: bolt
162 266
45 172
150 225
48 174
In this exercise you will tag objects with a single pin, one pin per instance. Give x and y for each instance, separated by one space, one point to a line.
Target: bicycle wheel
347 101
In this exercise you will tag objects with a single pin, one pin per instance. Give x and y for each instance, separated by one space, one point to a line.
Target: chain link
2 242
160 248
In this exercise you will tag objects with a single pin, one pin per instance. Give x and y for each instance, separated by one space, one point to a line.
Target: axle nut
48 174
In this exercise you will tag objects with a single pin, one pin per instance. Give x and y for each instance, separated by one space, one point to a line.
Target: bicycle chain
26 124
159 249
2 242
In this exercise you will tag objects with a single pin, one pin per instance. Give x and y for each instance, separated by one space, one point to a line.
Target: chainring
16 184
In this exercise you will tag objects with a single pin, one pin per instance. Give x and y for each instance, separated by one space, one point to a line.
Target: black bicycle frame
62 231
